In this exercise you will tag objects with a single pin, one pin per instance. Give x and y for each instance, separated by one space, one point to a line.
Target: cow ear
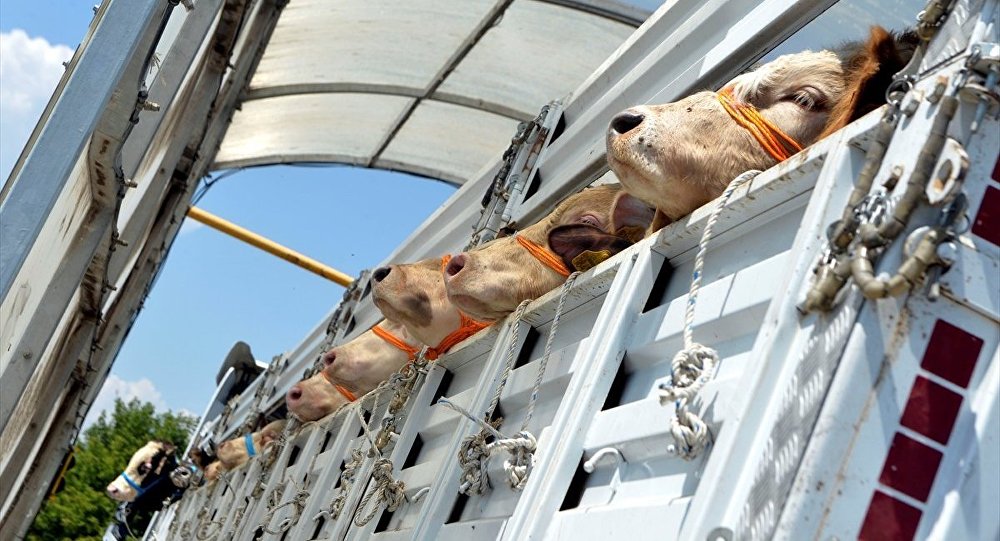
266 437
870 70
630 216
581 246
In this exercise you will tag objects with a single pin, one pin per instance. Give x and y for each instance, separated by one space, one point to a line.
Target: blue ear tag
138 489
249 441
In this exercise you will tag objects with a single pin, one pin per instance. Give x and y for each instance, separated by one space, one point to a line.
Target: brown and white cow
679 156
235 452
414 295
491 281
147 471
351 370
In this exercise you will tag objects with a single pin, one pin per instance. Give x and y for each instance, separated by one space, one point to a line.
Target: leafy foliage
81 511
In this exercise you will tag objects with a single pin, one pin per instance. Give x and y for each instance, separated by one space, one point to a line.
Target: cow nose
112 490
626 121
455 265
294 394
380 273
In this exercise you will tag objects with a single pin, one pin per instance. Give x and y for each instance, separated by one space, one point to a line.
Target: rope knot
389 491
522 447
691 368
472 456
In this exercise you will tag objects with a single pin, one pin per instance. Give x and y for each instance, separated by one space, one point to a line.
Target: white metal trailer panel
878 419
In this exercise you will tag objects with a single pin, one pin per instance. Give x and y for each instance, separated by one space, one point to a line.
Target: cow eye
807 98
143 469
590 220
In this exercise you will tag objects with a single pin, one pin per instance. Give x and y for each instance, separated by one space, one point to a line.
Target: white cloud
190 225
30 68
116 387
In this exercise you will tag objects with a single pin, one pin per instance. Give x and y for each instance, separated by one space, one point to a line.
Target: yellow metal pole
269 246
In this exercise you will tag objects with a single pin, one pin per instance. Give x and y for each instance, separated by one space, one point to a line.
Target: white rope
693 366
474 453
522 446
390 492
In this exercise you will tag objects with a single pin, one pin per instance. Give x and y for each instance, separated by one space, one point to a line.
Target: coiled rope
388 489
693 366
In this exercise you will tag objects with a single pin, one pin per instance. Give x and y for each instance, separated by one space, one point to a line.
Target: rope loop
693 366
691 369
472 456
389 491
518 467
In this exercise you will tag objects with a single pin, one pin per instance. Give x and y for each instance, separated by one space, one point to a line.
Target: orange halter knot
411 352
775 142
340 388
466 328
543 255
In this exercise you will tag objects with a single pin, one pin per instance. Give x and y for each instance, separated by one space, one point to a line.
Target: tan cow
351 370
489 282
414 294
235 452
212 471
679 156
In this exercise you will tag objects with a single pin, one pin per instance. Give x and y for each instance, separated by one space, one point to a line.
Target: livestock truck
840 405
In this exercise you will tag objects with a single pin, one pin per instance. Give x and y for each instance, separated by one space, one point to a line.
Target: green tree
81 511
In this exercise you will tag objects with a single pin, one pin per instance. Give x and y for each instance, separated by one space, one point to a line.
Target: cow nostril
112 489
626 121
329 358
380 273
295 393
455 266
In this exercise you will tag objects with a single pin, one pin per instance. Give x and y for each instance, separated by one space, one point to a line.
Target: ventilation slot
343 465
368 417
575 491
536 181
293 456
411 457
617 390
443 386
457 509
530 341
659 290
319 528
560 128
326 442
383 521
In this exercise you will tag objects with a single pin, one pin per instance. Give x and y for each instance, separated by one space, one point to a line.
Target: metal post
269 246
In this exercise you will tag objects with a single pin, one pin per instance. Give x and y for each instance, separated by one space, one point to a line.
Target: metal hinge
520 160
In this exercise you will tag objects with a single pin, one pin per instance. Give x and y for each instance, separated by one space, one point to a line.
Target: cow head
414 294
147 471
213 471
489 282
357 367
235 452
681 155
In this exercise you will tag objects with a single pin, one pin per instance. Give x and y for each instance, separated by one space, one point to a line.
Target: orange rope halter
775 142
544 255
340 388
467 328
411 352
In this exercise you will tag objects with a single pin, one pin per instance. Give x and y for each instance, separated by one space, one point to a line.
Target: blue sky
214 290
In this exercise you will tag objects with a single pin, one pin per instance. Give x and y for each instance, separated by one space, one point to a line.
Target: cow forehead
816 68
597 199
144 454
